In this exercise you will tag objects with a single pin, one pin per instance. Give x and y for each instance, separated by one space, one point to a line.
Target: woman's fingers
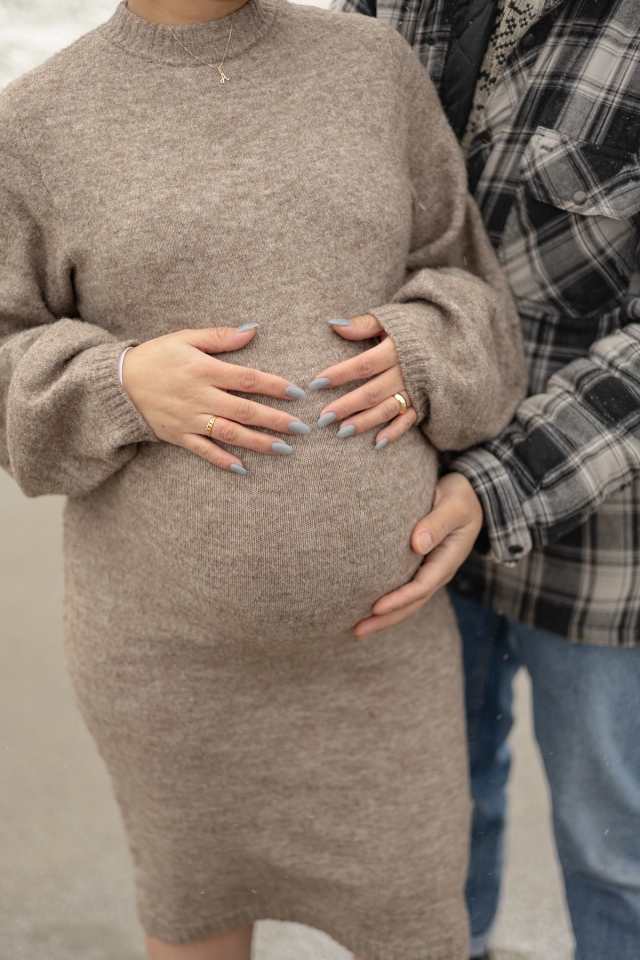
211 452
230 376
395 429
358 328
381 413
226 431
253 414
218 339
368 395
171 379
365 365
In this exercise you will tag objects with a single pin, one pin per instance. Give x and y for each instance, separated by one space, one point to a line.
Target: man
545 96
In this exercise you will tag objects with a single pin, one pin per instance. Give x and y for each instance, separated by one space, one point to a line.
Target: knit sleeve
66 423
453 321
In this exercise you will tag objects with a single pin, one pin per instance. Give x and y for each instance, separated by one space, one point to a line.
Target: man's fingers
430 532
365 365
456 510
424 584
447 534
437 570
432 529
373 625
357 328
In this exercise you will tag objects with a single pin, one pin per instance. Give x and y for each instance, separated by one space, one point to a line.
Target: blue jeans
586 707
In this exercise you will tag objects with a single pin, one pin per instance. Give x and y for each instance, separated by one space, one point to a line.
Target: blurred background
65 884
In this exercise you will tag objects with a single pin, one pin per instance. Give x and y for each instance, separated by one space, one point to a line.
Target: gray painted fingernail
347 431
381 443
341 322
236 468
326 419
319 384
279 447
247 326
296 393
296 426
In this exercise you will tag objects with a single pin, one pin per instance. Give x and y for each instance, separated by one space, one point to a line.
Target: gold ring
210 426
402 403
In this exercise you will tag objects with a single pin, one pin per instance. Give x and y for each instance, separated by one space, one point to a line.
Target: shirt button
431 41
515 548
528 40
486 136
579 197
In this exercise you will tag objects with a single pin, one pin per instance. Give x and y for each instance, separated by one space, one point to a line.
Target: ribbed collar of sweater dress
154 41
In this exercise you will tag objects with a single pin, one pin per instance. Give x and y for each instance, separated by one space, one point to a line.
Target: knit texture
266 763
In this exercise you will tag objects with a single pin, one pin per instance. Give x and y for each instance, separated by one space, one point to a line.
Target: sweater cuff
125 423
397 320
506 527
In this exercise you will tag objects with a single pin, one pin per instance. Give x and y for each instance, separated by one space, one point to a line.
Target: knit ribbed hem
453 948
154 41
118 411
408 337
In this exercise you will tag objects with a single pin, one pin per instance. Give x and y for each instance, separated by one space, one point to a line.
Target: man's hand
446 536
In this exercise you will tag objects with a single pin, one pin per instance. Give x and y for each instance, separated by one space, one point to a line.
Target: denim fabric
586 706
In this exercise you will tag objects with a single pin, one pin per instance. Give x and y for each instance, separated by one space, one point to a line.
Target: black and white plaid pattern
423 23
555 169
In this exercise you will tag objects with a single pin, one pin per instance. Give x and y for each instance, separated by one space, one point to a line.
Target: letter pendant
223 76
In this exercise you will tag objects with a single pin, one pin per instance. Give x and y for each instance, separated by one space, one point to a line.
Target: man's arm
565 452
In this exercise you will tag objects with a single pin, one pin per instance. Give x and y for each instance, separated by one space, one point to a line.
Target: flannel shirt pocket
569 245
580 177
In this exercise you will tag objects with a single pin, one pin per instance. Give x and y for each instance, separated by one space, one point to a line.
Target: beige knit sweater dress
266 763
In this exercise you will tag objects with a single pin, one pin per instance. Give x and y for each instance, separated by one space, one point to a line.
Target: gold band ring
402 403
210 426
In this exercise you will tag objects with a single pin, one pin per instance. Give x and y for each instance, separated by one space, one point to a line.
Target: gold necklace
218 67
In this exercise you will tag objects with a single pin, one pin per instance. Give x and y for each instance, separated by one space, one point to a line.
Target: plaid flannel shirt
555 170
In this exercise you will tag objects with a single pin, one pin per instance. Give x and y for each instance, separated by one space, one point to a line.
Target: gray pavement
65 882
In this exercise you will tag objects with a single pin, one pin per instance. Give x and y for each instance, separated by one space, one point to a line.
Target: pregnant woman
248 195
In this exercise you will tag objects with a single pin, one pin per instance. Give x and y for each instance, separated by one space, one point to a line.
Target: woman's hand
374 402
178 389
447 536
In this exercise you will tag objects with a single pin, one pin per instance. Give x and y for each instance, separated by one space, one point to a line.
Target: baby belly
302 546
